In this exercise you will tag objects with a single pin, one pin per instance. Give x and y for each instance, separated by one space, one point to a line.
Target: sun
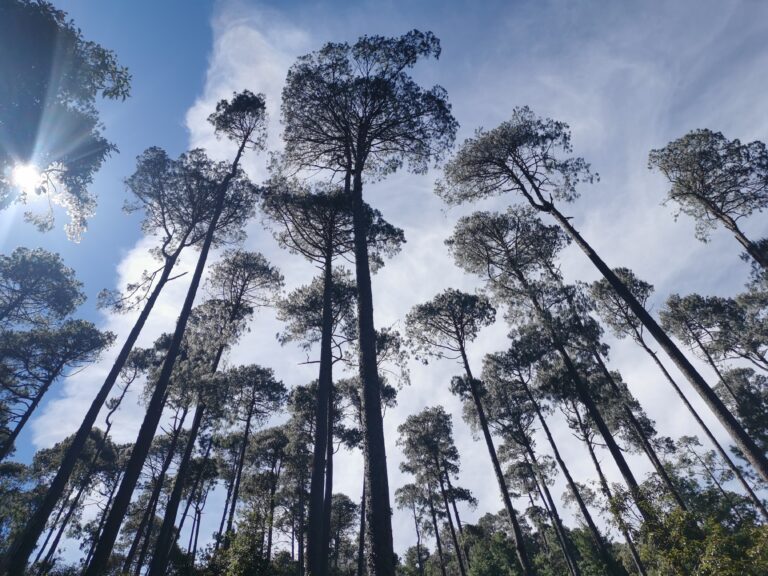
26 177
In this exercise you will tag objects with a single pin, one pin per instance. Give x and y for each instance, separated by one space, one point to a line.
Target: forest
234 472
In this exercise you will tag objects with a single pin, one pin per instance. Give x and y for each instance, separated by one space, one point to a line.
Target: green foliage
714 180
48 116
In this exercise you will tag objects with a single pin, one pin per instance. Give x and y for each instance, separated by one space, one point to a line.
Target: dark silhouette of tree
512 372
509 250
36 289
521 156
179 206
356 111
238 284
442 328
431 456
716 181
51 138
411 497
241 120
622 321
33 360
319 226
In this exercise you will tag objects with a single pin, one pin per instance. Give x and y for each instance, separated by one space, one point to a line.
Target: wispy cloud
627 79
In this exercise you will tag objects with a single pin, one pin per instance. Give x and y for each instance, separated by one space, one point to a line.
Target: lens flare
26 177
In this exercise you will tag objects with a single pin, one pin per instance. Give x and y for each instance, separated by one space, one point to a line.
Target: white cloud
627 80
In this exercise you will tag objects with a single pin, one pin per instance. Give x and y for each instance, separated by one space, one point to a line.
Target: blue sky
627 77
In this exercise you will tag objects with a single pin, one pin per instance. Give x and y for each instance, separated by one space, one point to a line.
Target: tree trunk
317 531
222 535
272 512
447 507
437 534
644 441
196 484
155 406
720 450
610 564
640 433
609 496
464 548
381 556
517 534
165 536
755 456
18 553
328 494
150 510
55 523
102 520
586 398
418 541
361 535
751 248
7 445
565 541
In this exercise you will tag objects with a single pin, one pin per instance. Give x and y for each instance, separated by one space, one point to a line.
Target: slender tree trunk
102 520
150 510
565 541
328 494
7 445
317 532
751 248
751 451
302 529
645 443
224 514
361 535
418 541
517 534
381 556
638 429
610 563
457 547
720 450
155 406
54 525
608 495
165 538
464 549
15 560
437 534
196 484
272 512
586 398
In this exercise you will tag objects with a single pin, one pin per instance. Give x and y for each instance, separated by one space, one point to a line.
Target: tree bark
751 451
328 493
379 522
361 535
317 531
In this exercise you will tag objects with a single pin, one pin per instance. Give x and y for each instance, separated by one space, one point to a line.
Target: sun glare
26 177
